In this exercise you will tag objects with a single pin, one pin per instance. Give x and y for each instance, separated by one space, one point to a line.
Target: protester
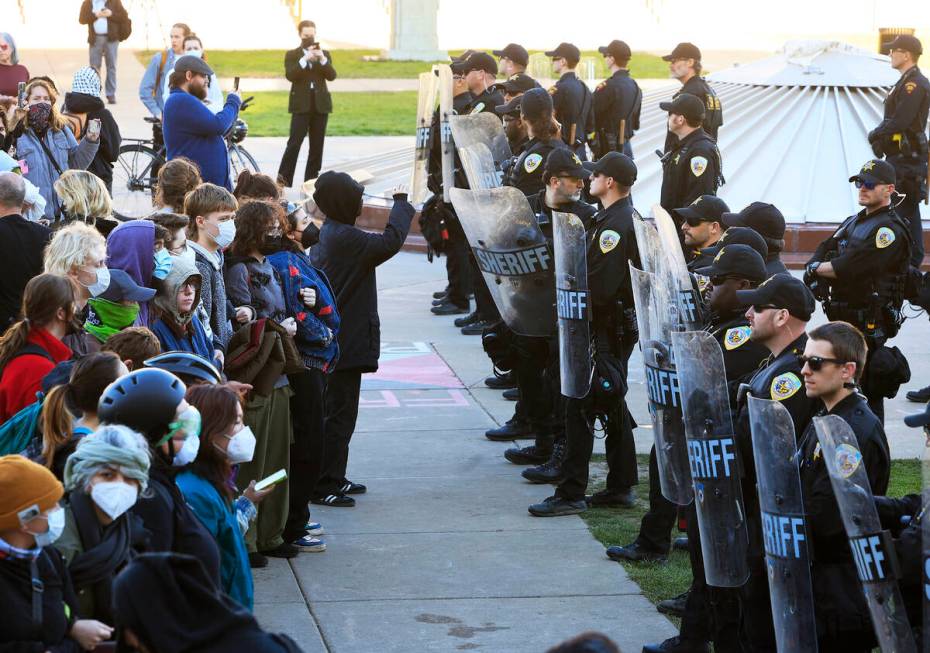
116 308
156 590
134 346
82 105
176 179
209 488
131 247
176 225
349 257
47 145
190 368
32 347
175 316
151 88
151 401
84 198
30 522
12 73
255 186
79 253
193 47
104 478
191 129
21 245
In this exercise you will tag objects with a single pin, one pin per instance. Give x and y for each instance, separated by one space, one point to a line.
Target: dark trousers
457 266
757 629
536 402
342 393
655 529
484 303
874 395
307 416
301 124
909 209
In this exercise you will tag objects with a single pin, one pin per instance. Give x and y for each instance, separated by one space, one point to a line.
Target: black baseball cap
123 288
480 61
687 105
616 165
739 236
876 171
739 261
684 51
464 56
515 52
781 290
907 42
517 83
562 161
760 216
510 108
920 419
706 208
567 50
193 64
616 49
535 103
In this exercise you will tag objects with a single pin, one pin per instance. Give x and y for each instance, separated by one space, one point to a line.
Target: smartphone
235 83
93 127
21 91
274 479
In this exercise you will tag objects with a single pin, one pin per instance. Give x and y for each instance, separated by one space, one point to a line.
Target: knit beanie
23 484
338 196
86 81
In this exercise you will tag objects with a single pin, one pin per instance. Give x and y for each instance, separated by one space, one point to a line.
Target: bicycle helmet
239 131
145 400
186 365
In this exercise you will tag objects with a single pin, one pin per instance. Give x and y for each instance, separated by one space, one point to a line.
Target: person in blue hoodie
178 327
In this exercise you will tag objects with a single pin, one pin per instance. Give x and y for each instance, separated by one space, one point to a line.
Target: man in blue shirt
191 129
151 88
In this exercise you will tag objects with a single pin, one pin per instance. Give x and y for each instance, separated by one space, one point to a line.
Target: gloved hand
308 296
809 277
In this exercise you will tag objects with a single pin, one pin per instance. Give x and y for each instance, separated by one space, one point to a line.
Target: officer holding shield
536 112
701 228
691 167
617 103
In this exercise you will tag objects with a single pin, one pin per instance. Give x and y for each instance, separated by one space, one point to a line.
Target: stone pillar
413 31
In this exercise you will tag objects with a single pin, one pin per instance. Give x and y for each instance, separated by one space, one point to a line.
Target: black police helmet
145 400
186 364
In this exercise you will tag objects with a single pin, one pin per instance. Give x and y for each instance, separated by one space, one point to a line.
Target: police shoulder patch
784 386
736 337
531 162
698 165
847 459
478 108
884 237
909 87
553 90
609 240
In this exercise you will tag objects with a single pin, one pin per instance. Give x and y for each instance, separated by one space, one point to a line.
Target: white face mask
56 524
194 53
188 451
241 446
99 286
114 497
226 235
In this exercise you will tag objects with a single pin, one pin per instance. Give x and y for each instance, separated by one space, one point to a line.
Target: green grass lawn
662 581
351 64
354 114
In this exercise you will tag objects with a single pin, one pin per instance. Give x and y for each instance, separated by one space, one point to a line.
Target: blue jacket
67 152
320 349
219 517
196 343
151 88
193 131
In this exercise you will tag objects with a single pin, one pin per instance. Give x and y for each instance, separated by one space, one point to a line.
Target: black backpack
433 226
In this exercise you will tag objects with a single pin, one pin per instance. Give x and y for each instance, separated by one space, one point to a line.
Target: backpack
433 226
17 432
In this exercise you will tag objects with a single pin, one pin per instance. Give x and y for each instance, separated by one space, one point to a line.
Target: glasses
816 362
696 222
719 281
868 185
458 78
759 308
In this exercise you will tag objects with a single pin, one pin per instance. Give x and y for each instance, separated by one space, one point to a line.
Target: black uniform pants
301 124
757 630
342 394
874 395
458 269
909 209
535 404
484 304
655 529
307 417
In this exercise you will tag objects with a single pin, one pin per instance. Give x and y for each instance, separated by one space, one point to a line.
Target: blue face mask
163 264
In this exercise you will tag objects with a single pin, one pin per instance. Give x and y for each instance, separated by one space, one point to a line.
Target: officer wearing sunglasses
859 272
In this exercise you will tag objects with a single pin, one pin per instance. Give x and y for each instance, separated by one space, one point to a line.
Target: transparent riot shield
872 548
444 80
648 244
784 530
712 452
654 316
426 100
688 297
513 256
573 303
483 148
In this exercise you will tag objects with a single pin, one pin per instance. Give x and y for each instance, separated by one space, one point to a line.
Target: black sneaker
551 470
257 560
678 645
503 382
675 606
475 328
531 455
612 499
439 294
557 507
511 394
513 429
283 550
353 488
468 319
334 500
635 553
448 308
921 396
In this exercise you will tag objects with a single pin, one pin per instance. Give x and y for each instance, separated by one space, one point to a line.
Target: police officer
611 248
684 64
863 267
779 310
901 136
617 103
571 98
768 222
514 129
691 167
700 225
515 85
536 112
833 360
739 236
707 614
513 62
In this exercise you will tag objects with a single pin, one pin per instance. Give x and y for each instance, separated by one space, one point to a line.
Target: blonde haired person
79 252
47 144
84 198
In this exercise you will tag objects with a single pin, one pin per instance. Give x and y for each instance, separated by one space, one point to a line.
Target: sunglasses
695 222
816 362
868 185
759 308
719 281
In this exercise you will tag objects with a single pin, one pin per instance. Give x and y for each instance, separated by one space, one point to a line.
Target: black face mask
308 42
310 236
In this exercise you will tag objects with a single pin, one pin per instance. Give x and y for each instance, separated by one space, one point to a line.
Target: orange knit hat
24 484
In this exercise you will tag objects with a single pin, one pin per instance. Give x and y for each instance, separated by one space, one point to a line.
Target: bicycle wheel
239 160
134 180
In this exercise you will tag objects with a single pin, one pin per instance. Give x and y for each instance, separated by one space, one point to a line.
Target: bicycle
135 173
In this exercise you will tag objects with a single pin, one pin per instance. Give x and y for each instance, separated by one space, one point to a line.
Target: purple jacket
131 247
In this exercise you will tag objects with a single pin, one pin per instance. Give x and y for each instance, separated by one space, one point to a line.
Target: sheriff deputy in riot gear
861 269
611 246
779 310
739 236
834 358
766 220
684 64
617 103
901 136
480 70
536 112
691 167
513 62
571 98
515 85
701 228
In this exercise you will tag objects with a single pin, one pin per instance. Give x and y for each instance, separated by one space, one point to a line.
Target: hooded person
117 307
84 104
166 603
131 247
178 326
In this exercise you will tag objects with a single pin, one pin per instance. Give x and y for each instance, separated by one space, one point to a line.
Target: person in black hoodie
151 401
166 603
349 257
84 104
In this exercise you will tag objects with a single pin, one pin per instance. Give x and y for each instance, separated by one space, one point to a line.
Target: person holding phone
88 117
193 47
308 68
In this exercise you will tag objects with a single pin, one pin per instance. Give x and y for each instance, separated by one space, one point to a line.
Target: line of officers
756 311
